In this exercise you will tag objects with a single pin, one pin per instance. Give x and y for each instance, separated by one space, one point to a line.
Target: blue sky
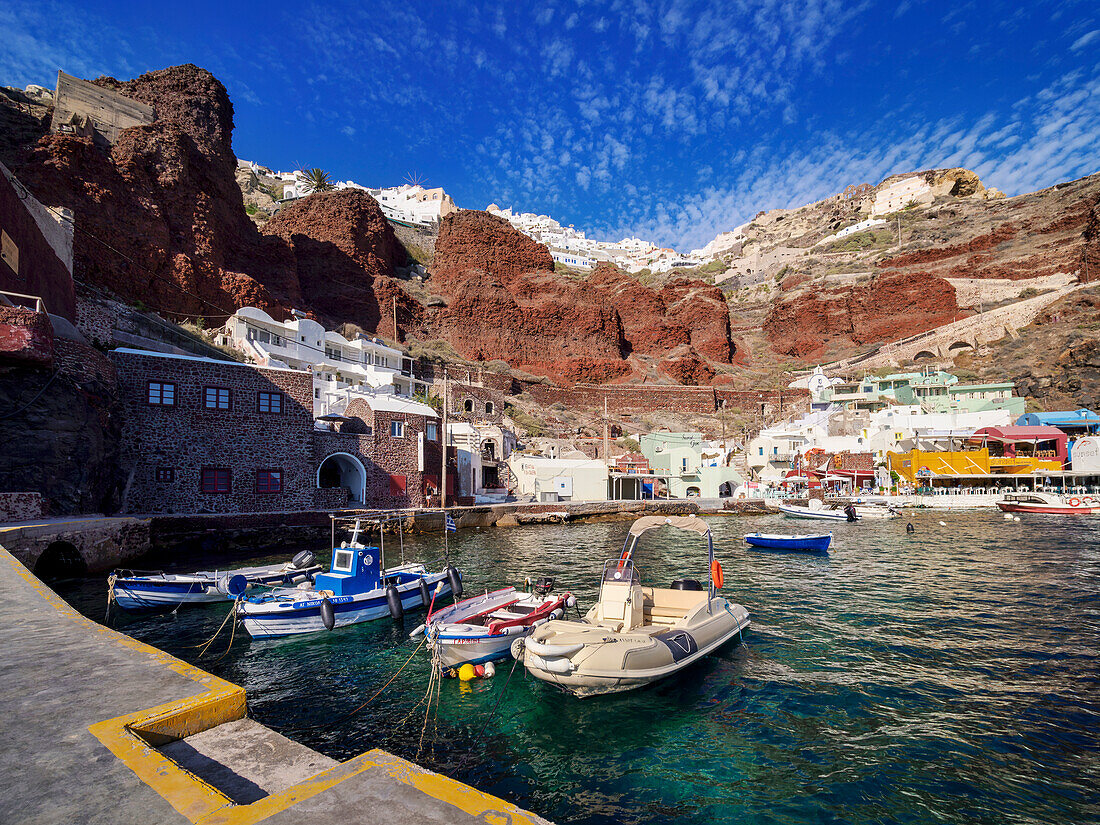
672 120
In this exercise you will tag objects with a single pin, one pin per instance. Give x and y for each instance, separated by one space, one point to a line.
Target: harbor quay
106 729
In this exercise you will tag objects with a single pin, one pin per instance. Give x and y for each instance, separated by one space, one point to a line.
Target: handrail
39 304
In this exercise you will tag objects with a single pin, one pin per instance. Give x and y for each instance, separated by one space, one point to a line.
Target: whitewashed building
339 365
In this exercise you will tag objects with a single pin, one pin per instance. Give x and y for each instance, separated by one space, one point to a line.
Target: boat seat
620 606
507 615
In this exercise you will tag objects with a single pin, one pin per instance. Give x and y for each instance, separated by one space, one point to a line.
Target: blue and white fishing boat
790 543
155 590
357 588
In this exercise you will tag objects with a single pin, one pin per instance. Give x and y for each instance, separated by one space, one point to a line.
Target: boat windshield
617 571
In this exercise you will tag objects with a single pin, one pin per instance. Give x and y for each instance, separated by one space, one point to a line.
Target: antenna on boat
355 533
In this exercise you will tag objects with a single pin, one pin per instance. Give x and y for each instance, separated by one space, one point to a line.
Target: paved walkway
98 728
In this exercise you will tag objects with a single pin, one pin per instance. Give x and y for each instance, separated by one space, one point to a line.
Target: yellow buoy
467 672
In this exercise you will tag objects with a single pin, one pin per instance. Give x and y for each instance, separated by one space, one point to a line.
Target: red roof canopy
1011 435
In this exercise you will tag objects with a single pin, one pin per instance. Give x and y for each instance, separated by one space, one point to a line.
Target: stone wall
26 337
21 507
476 404
165 448
629 398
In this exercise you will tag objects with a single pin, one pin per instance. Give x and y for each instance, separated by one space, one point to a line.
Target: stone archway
961 345
344 470
924 354
60 560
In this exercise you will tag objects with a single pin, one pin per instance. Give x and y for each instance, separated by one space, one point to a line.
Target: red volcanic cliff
505 301
887 308
343 253
160 218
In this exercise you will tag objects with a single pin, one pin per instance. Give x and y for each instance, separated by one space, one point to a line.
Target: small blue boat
792 543
357 588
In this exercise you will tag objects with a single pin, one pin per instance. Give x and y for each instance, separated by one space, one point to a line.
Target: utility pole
899 233
396 334
606 455
443 473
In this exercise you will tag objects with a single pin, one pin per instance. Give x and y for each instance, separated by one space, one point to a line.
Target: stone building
201 435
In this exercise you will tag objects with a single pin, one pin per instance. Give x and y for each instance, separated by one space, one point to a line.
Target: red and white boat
482 628
1065 505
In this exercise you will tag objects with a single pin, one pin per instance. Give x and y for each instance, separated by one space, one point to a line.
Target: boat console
355 569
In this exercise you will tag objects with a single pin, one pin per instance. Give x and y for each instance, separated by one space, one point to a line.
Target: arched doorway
344 470
725 489
61 560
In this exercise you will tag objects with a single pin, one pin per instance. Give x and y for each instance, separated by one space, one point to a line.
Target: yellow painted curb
133 738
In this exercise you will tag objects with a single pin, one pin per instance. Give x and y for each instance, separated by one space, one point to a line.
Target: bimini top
693 523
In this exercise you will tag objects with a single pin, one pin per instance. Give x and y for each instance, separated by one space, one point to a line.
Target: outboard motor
687 584
328 614
455 581
393 599
850 512
303 560
543 585
425 594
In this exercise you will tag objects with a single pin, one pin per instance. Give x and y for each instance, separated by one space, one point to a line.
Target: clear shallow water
945 676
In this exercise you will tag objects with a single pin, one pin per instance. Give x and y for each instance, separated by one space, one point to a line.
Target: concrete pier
101 728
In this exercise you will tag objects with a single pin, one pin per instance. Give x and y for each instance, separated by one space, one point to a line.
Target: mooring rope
352 713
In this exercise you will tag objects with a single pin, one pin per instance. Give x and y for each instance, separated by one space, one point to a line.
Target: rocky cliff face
827 321
962 248
344 253
160 218
1056 360
504 300
61 427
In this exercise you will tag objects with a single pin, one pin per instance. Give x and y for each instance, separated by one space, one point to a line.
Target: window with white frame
161 393
397 429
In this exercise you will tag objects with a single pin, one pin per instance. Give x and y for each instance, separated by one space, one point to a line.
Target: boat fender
419 629
909 528
425 594
571 601
490 670
232 586
393 599
517 648
556 665
455 580
557 613
303 560
328 614
467 672
1008 516
545 650
479 670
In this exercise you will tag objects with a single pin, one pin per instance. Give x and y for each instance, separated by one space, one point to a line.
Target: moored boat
1037 502
156 590
635 635
357 588
481 629
792 543
819 512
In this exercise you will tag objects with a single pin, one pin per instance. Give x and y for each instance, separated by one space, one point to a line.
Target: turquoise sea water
949 675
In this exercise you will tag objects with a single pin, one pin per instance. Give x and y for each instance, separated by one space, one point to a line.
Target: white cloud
1085 39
